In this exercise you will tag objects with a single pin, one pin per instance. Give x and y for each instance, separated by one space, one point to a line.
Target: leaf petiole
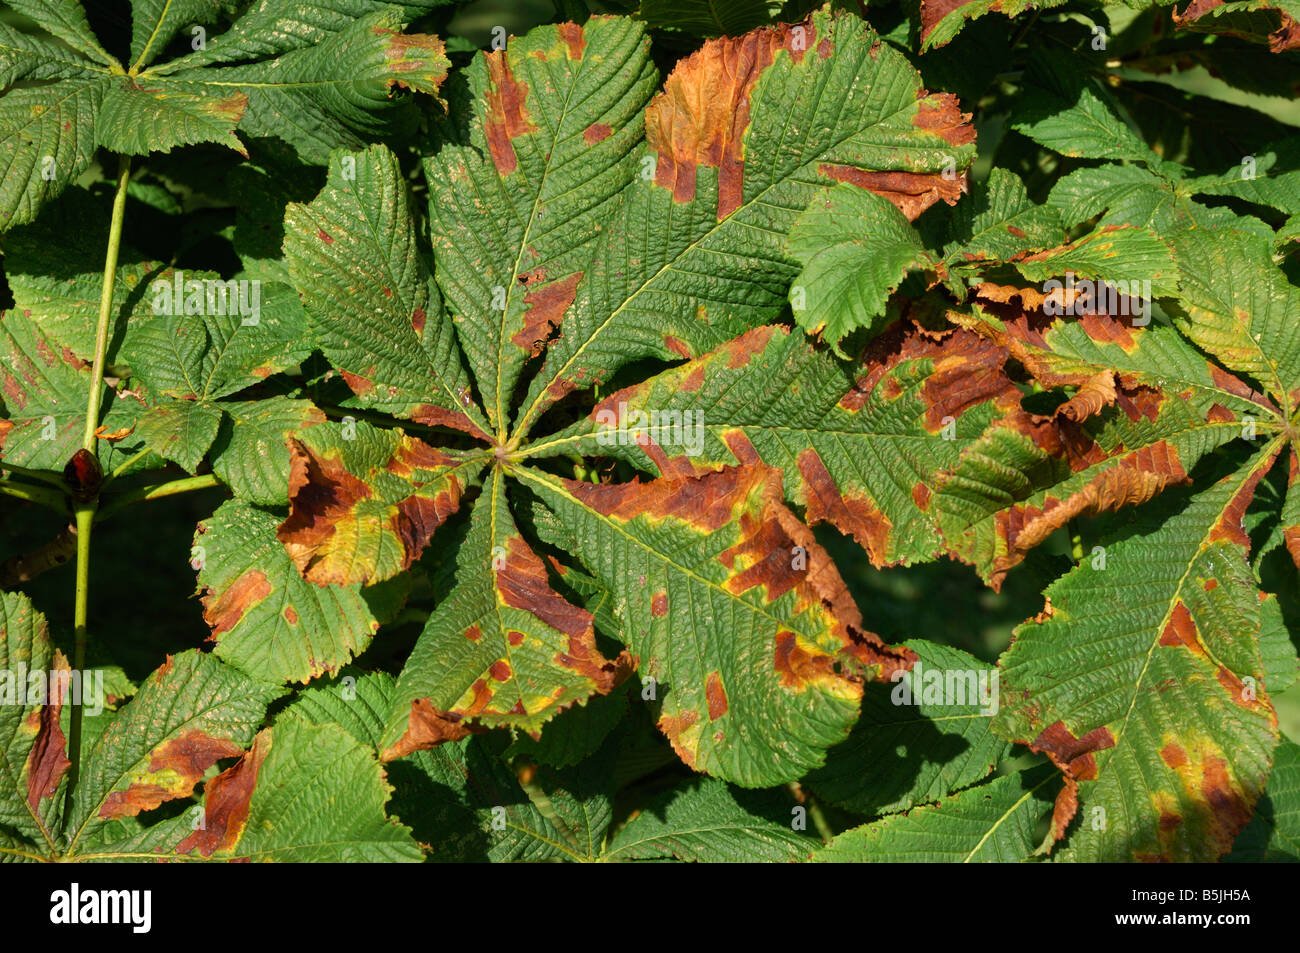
157 491
34 494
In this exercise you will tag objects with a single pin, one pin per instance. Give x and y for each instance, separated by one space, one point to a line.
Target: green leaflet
334 93
266 619
993 822
377 315
856 248
180 430
919 739
547 169
690 548
364 502
31 741
302 793
503 648
1064 109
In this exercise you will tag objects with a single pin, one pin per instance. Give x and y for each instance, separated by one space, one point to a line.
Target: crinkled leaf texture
317 88
579 218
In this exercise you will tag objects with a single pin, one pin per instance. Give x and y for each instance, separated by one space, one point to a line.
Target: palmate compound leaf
32 756
990 823
1158 711
740 140
502 649
335 92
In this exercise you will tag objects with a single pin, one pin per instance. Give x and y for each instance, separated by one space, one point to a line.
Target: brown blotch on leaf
226 801
426 727
674 727
506 117
677 346
323 494
1095 393
596 132
223 611
701 116
911 192
500 670
361 386
1076 759
1180 630
571 34
183 760
940 114
545 308
523 584
47 761
854 515
716 696
968 370
1229 525
1173 755
659 604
